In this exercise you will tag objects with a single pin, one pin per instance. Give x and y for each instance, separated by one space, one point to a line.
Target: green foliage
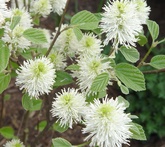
100 82
158 61
4 56
31 104
41 125
60 142
57 127
15 21
149 105
85 20
35 35
142 40
123 100
131 76
78 33
7 132
153 28
130 54
63 78
137 132
4 81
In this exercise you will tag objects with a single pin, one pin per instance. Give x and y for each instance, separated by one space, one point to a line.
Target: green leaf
78 33
4 56
73 67
57 127
41 125
91 96
15 21
158 61
100 82
35 35
130 54
31 104
153 28
123 100
4 81
131 76
142 40
1 32
85 20
124 89
7 132
60 142
137 132
63 78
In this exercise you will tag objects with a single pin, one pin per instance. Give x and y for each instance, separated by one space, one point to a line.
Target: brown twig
48 125
154 71
59 28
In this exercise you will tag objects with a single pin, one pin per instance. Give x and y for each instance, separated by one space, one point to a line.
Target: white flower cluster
45 7
14 143
36 77
106 123
14 36
122 21
68 107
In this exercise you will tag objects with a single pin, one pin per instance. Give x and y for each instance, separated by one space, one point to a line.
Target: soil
13 111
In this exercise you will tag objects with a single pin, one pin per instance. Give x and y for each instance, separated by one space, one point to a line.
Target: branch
59 28
154 71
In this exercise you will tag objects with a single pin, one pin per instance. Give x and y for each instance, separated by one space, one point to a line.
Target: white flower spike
68 106
120 23
14 143
107 124
36 77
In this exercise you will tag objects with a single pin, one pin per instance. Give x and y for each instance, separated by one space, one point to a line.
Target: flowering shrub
43 60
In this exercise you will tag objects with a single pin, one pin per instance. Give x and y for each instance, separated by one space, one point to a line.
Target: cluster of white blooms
122 21
58 5
107 123
89 45
89 68
45 7
36 77
4 12
14 36
14 143
58 59
68 107
67 42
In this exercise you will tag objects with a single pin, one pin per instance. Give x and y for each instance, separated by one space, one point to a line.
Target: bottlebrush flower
68 106
120 23
36 77
58 5
14 143
107 123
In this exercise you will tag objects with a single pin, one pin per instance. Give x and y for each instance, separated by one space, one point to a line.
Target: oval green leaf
100 82
7 132
130 54
85 20
31 104
158 62
131 76
62 78
4 56
35 35
137 132
59 128
153 28
60 142
142 40
4 81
